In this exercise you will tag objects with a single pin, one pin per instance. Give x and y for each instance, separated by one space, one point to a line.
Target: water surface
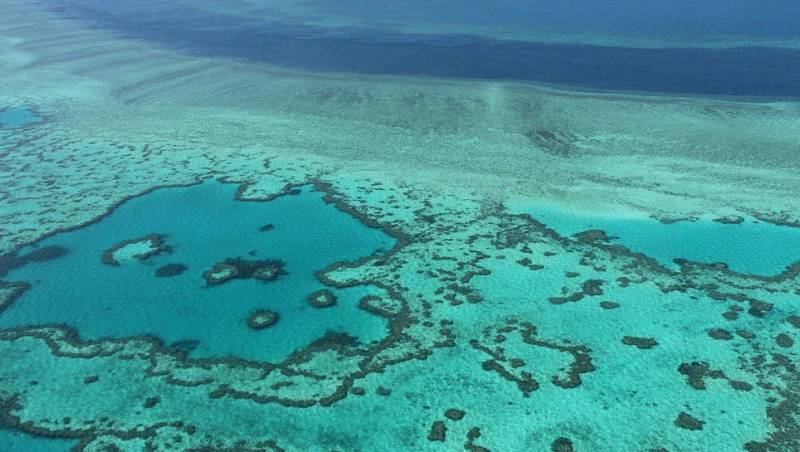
735 71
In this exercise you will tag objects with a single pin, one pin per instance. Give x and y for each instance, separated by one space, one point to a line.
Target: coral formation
239 268
140 248
322 299
263 318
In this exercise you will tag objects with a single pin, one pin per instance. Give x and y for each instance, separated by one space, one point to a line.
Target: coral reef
263 318
239 268
321 299
140 248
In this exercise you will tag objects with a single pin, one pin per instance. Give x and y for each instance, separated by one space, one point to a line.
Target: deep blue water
204 225
743 71
681 19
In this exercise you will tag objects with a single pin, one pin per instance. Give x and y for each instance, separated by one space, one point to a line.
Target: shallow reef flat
461 321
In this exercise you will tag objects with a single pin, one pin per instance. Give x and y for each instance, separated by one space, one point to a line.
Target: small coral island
140 248
261 319
321 299
238 268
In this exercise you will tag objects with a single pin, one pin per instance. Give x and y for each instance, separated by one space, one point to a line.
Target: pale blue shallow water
753 247
205 225
14 117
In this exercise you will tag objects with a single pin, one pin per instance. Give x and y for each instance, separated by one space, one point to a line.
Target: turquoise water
752 247
204 225
11 440
485 331
14 117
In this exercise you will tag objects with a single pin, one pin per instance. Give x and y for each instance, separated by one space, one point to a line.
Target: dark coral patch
238 268
11 261
744 334
784 340
151 402
592 287
758 308
593 236
10 292
261 319
663 219
266 228
696 372
170 270
720 334
640 342
729 219
454 414
321 299
438 431
562 444
688 422
381 391
740 385
731 314
609 305
526 262
525 381
185 346
516 362
473 434
509 369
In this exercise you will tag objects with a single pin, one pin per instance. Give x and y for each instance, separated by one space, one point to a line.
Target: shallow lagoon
204 225
753 247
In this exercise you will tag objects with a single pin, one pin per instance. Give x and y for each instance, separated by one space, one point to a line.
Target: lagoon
203 225
753 247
